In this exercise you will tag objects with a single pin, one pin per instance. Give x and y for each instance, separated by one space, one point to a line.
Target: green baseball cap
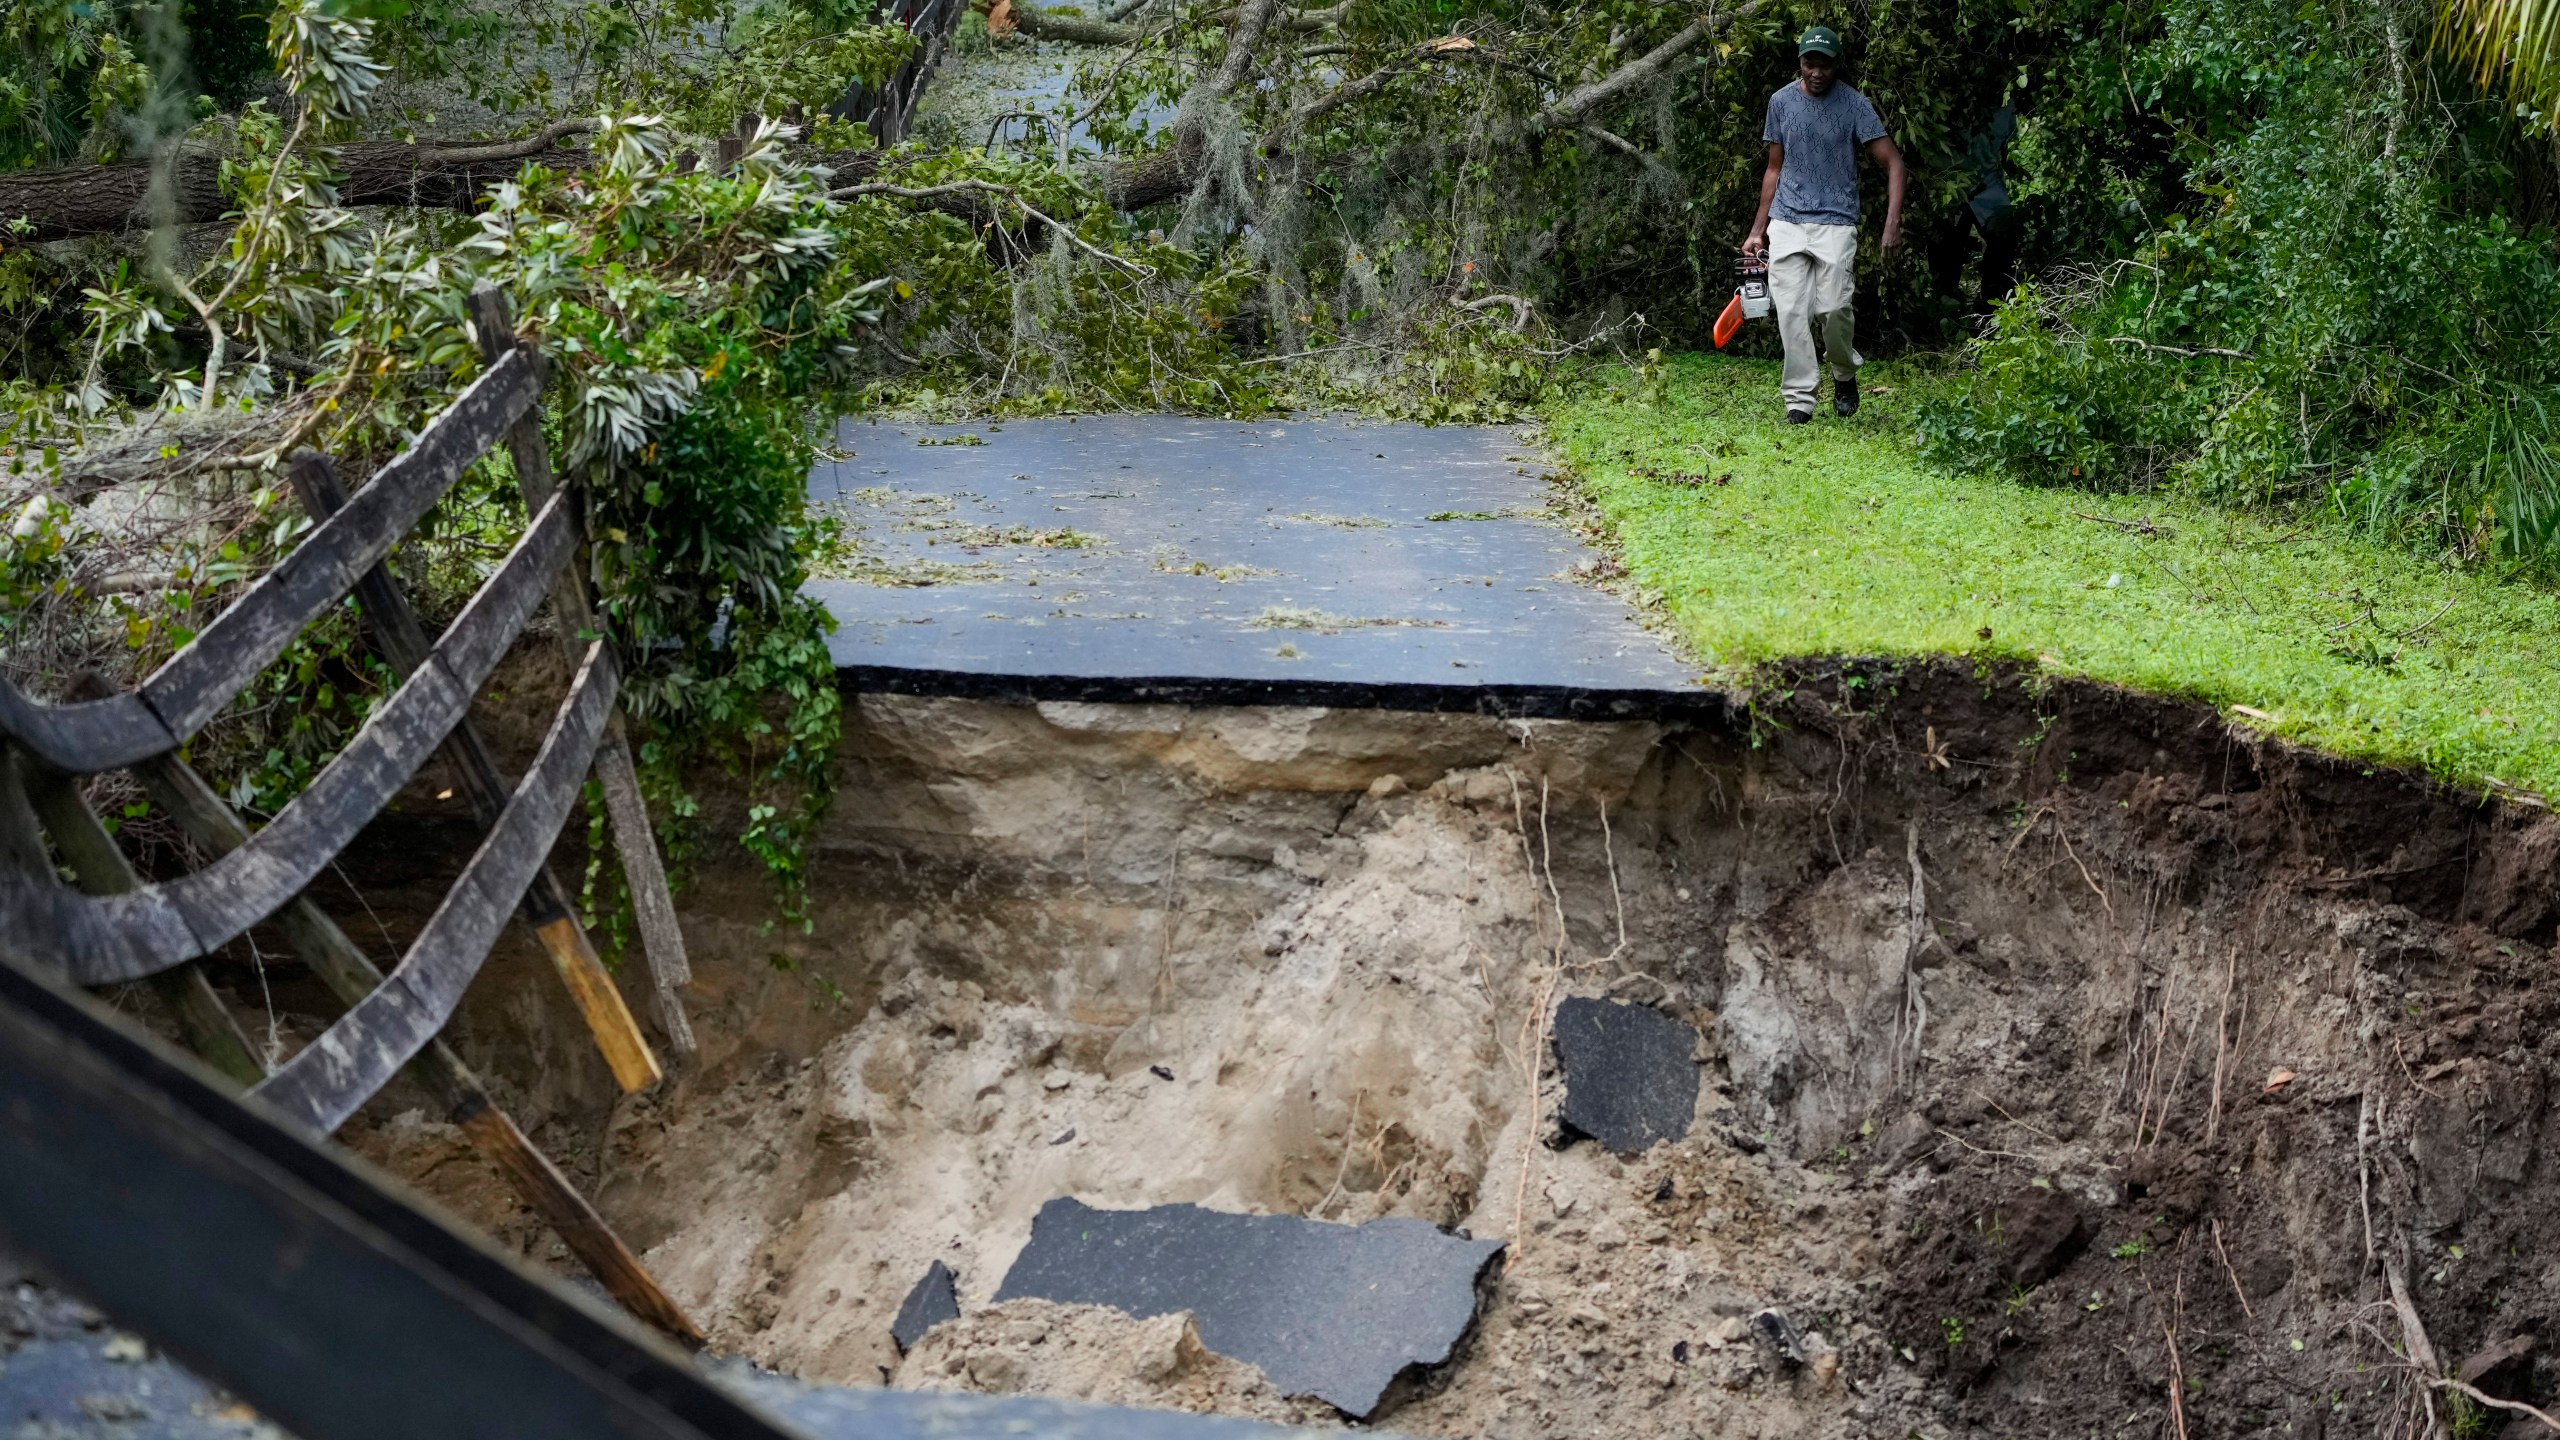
1819 40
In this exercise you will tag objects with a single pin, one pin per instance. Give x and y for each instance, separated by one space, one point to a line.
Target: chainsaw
1750 298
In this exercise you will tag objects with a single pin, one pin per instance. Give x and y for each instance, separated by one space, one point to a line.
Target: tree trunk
1168 174
102 199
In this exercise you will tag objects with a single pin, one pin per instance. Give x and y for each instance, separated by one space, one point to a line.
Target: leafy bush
2348 315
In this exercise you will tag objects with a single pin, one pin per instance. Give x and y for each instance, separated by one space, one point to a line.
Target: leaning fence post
395 633
350 974
652 906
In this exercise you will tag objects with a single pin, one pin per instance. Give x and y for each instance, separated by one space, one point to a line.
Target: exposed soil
2200 1041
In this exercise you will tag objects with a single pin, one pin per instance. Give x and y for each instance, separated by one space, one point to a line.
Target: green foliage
694 319
778 59
93 79
1105 316
2348 316
701 64
1838 539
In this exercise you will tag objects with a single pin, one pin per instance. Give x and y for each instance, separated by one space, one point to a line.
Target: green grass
1837 539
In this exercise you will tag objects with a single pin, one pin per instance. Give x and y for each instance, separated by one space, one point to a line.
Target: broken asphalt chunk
934 1299
1630 1073
1780 1334
1332 1311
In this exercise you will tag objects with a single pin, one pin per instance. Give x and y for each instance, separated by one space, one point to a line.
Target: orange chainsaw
1750 298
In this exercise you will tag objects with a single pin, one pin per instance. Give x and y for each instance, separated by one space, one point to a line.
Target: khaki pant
1810 286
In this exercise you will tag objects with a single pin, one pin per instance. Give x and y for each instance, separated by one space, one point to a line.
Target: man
1808 220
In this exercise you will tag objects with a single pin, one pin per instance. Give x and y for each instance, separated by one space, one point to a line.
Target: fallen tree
1181 166
183 186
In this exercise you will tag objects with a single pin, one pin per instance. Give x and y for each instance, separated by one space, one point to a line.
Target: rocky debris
1091 1352
933 1401
1630 1073
935 1298
1333 1311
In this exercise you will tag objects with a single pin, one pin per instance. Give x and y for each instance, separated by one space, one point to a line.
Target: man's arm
1758 239
1885 154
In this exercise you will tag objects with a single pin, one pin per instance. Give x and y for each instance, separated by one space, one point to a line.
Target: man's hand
1754 243
1891 244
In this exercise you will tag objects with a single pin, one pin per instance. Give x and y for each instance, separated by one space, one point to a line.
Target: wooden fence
115 928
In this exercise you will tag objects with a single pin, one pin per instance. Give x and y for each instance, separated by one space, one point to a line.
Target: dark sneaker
1798 417
1844 396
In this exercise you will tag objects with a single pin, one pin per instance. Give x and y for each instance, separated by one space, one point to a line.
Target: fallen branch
1616 141
1445 47
2181 351
1319 350
268 458
1636 74
1126 266
1520 308
543 139
2138 527
1039 24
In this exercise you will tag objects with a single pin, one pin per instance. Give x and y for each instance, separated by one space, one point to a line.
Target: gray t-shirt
1818 181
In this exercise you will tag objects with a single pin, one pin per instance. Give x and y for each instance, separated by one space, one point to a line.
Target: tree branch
1253 21
1615 141
2181 351
535 143
1446 47
1651 66
1520 308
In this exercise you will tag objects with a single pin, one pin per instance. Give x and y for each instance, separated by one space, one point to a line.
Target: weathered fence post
652 906
394 630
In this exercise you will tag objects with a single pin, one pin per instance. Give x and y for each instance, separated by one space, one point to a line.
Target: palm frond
2514 44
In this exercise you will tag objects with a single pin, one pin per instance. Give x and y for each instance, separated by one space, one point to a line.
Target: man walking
1808 220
